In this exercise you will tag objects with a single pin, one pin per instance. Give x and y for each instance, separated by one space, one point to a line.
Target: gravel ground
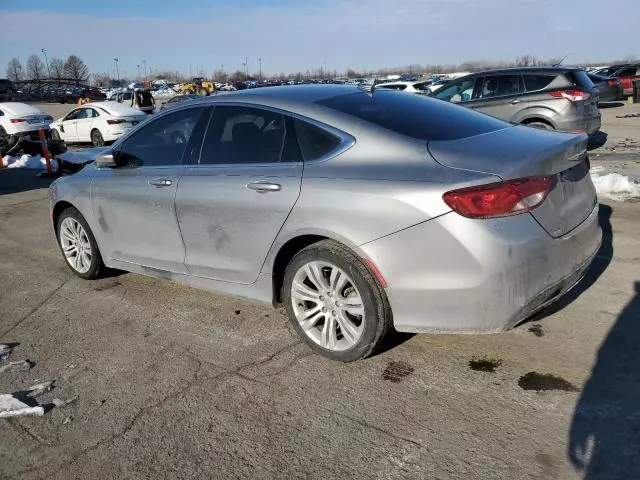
173 382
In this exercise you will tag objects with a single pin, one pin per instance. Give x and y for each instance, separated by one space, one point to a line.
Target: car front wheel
335 303
78 245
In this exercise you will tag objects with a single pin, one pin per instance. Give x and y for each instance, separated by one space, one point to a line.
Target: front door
69 126
83 124
233 202
134 204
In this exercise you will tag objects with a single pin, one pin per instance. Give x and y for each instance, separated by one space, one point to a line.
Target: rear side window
628 72
533 83
415 116
314 142
500 85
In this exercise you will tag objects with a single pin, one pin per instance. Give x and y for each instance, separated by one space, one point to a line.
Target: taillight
572 95
612 83
18 120
115 122
499 199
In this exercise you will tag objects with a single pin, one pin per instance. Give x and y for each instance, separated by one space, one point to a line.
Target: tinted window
394 87
537 82
582 80
457 92
242 135
74 115
607 72
314 141
628 72
161 142
422 87
415 115
500 85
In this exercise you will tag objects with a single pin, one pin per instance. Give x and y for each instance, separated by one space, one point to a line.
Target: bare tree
527 61
57 68
36 68
76 70
14 70
102 79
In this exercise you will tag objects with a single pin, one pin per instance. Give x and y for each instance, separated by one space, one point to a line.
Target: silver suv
552 98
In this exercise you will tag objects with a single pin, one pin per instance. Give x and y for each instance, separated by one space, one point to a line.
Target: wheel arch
57 210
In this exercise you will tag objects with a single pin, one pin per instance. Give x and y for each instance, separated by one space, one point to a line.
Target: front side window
161 142
74 115
457 92
500 85
246 135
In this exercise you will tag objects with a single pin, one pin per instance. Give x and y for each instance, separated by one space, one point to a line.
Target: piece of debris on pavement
15 367
397 371
537 330
5 351
67 420
63 403
485 364
545 382
10 406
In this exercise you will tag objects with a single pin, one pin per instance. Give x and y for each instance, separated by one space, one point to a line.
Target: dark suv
7 90
552 98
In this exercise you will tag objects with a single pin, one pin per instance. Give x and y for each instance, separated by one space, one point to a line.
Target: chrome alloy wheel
75 245
327 305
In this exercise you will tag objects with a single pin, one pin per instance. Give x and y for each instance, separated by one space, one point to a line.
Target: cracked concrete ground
175 382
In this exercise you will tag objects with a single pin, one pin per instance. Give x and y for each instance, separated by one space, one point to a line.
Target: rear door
500 95
233 202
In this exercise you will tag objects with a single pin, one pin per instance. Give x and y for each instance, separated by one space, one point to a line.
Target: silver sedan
359 211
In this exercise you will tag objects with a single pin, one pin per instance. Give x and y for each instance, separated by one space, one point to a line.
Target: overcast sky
292 35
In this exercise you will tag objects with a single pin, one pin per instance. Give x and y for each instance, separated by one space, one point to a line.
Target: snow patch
26 161
615 186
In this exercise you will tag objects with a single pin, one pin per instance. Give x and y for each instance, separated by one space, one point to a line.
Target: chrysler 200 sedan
359 211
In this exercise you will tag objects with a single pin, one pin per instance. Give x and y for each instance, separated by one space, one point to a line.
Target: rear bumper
585 124
454 274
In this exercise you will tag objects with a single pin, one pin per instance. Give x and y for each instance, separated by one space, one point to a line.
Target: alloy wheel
327 305
75 245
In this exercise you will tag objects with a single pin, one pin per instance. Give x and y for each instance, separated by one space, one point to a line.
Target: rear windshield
415 115
582 79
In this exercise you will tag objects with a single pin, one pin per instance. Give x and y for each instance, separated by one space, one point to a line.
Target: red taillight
612 83
18 120
115 122
499 199
572 95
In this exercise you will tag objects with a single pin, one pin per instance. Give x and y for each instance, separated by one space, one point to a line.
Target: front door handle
161 182
515 101
264 187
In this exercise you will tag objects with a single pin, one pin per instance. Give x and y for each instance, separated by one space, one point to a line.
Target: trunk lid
520 152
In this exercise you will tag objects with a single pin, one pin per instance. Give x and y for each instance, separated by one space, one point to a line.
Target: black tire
97 268
55 135
96 138
540 125
4 143
376 305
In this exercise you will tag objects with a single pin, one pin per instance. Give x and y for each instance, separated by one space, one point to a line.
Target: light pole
324 71
246 69
260 62
138 72
46 61
117 71
144 64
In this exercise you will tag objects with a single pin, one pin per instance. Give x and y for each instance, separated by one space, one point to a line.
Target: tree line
72 69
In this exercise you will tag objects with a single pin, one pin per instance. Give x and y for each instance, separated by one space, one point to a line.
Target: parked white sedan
96 123
17 119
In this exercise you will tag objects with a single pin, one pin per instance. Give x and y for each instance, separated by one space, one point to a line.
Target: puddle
537 330
397 371
485 364
545 382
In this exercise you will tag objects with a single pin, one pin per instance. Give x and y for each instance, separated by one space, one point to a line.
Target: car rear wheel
335 303
96 138
78 245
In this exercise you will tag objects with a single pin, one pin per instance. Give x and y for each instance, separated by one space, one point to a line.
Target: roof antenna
367 88
560 62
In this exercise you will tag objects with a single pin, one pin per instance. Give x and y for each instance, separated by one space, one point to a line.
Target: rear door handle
161 182
515 101
264 187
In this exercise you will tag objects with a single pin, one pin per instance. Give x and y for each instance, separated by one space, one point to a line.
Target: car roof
114 108
296 93
513 70
16 108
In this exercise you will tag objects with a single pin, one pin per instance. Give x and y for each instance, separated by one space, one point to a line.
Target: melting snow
615 186
26 161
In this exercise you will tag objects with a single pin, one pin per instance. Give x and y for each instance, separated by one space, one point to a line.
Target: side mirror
105 160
